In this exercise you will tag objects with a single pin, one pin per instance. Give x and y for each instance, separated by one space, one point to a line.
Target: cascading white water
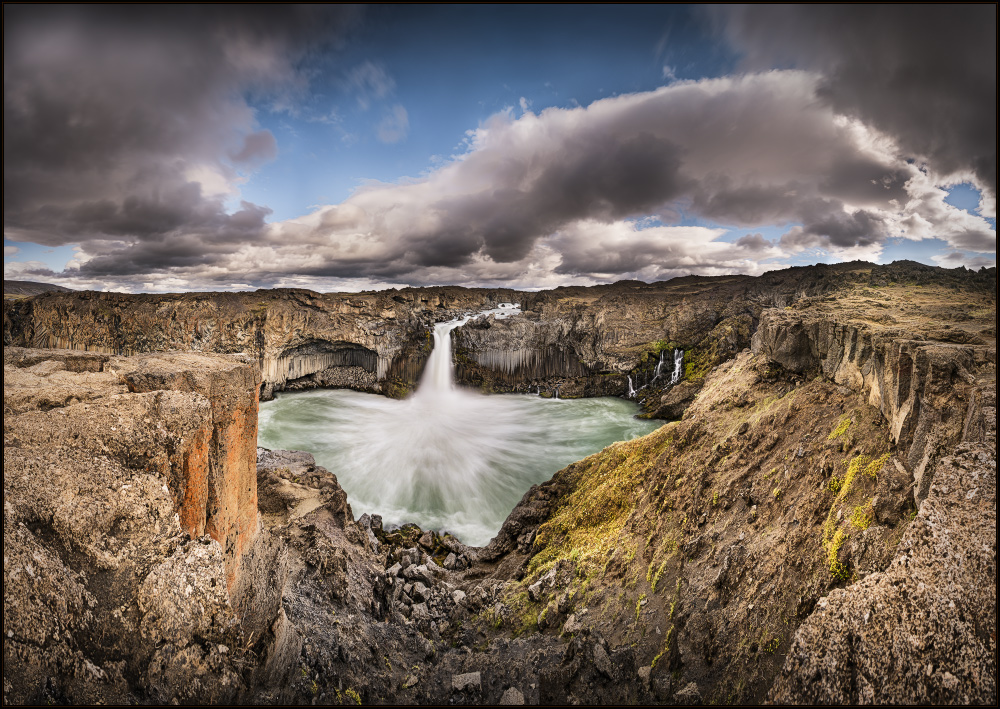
445 458
659 366
678 366
631 389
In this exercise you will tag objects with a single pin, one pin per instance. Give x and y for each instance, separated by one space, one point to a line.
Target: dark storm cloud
591 175
133 122
744 151
924 74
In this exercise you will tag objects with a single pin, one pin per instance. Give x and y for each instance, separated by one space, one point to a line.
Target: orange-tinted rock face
215 490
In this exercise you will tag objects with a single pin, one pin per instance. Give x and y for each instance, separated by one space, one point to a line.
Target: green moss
665 648
587 525
863 516
861 464
837 569
658 574
840 429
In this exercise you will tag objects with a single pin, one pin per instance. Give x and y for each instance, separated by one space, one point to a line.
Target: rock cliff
818 526
581 341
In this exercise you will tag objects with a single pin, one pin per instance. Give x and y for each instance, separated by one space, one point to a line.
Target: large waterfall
446 457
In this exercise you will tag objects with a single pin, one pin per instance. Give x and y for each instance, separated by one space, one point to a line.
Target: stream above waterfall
445 458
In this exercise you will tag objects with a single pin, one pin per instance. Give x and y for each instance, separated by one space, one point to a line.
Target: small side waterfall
659 366
631 389
678 366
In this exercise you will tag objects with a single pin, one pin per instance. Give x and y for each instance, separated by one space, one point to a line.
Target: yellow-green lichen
842 426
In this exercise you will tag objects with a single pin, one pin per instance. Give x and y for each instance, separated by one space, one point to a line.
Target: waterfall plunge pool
445 458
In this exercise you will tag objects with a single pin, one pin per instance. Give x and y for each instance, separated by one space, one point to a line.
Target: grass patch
587 525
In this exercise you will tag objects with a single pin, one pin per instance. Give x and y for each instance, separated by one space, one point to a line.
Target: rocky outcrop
108 488
924 630
924 389
215 489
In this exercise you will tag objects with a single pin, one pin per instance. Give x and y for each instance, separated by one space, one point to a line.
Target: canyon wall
767 545
924 389
380 338
583 341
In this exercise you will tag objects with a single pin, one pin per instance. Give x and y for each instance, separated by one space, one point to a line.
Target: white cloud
369 81
954 259
558 197
394 127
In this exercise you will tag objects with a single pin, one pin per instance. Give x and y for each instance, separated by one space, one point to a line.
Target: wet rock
427 540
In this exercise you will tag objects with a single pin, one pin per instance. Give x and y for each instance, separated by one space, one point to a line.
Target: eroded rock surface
768 544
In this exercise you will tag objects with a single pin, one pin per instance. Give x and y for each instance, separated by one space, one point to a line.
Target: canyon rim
820 506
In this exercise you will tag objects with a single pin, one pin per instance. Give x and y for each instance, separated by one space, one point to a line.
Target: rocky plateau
814 523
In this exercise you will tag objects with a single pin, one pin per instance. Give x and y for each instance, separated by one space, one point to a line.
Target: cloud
125 129
136 161
369 81
925 76
955 259
669 73
10 250
394 126
259 147
742 151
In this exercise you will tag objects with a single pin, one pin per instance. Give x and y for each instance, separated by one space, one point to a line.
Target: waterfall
678 366
659 366
631 389
446 457
439 376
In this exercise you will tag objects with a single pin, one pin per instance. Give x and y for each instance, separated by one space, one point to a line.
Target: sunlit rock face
131 516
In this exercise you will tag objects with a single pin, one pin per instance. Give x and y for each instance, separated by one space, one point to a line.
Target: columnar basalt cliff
585 341
925 390
816 527
380 339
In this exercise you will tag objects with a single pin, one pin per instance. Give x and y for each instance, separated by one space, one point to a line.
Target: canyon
815 524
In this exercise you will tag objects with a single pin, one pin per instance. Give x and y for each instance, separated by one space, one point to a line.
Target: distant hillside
28 288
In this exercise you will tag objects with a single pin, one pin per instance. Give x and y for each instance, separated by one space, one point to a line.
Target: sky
189 148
